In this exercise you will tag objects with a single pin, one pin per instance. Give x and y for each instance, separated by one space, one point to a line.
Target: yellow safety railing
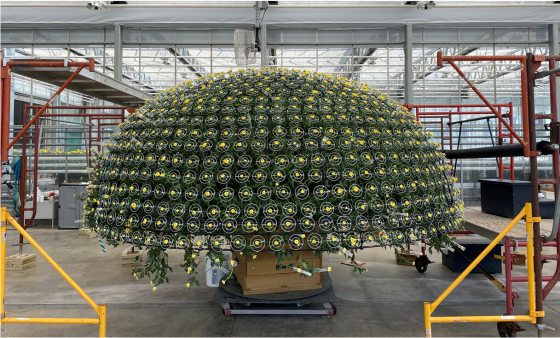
100 310
531 317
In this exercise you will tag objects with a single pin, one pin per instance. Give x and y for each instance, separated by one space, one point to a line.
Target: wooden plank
260 276
406 257
130 258
19 262
86 232
292 281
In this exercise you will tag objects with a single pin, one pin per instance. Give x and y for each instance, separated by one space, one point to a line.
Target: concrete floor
385 301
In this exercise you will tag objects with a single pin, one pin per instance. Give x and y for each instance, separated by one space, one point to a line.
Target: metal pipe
477 119
465 105
23 320
556 220
98 116
523 279
90 64
508 267
81 107
23 179
5 118
533 289
35 176
546 73
482 319
523 244
524 107
556 276
450 113
507 150
536 262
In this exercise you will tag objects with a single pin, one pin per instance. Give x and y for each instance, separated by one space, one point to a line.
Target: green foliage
155 266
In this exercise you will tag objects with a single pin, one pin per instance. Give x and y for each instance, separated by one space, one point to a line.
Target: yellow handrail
429 308
100 310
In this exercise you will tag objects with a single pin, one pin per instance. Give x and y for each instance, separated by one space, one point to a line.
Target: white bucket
214 273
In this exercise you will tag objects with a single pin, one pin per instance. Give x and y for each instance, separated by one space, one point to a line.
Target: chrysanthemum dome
271 159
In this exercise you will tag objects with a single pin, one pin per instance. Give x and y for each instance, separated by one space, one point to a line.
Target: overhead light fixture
97 5
425 5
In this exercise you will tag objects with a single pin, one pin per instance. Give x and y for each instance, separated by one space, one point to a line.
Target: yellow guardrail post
427 319
429 308
100 310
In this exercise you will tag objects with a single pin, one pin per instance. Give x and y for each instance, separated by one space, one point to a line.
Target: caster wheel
227 313
509 329
332 312
421 263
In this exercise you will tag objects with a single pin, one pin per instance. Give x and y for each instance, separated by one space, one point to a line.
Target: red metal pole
556 276
508 267
89 142
98 137
525 108
523 279
511 159
23 174
99 116
35 176
554 118
462 105
83 107
555 169
90 64
45 106
450 127
5 113
531 67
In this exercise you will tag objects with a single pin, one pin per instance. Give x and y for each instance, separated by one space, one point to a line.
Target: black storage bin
474 245
506 198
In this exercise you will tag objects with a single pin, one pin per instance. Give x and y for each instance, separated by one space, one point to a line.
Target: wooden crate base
19 262
260 276
86 233
129 258
407 258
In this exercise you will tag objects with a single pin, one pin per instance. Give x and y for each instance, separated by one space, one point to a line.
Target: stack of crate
21 262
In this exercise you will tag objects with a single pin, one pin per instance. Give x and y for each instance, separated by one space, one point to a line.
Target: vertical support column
118 53
264 46
102 321
508 267
5 110
554 49
408 72
530 82
427 319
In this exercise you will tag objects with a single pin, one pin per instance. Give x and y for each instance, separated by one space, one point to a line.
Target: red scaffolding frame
429 114
529 66
83 112
5 143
